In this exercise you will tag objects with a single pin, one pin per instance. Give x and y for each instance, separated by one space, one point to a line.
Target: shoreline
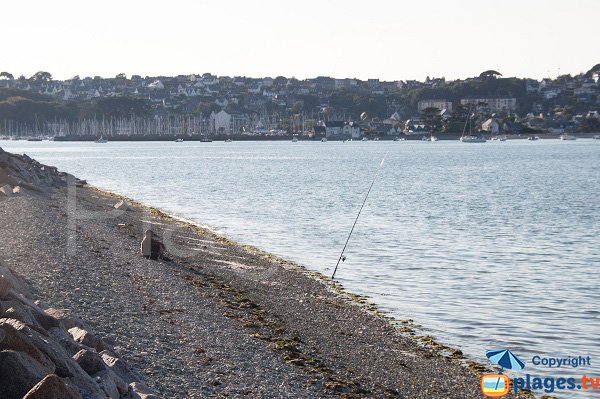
307 334
289 137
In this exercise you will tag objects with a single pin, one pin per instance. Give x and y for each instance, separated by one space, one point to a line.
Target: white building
494 104
439 104
491 126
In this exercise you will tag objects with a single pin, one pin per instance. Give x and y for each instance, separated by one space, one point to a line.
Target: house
431 103
351 129
334 128
491 126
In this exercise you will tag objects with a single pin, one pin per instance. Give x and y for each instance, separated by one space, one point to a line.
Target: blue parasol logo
505 359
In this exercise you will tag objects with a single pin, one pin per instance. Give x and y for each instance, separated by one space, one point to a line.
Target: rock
106 381
17 190
36 316
2 336
19 372
17 340
5 286
67 319
90 361
141 391
87 338
118 366
62 363
18 285
16 310
52 387
6 190
122 206
65 340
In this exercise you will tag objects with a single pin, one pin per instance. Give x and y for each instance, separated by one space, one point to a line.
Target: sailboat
471 138
101 140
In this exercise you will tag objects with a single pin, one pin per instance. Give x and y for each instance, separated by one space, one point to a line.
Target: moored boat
567 137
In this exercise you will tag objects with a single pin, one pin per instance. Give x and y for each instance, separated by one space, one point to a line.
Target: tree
42 76
490 74
7 76
432 118
121 76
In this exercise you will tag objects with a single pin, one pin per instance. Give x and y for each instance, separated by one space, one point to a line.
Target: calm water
490 245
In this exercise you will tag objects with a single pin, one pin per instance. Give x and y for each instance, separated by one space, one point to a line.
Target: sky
387 40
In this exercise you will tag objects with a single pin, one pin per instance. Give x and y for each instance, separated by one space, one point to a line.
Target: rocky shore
211 319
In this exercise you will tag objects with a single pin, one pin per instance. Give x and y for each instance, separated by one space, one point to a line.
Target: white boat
433 138
471 138
376 139
597 137
365 139
179 141
101 140
228 141
533 138
567 137
294 139
323 140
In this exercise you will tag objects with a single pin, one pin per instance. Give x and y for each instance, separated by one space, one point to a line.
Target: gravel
216 319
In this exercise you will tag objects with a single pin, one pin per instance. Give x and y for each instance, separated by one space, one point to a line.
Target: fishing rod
342 257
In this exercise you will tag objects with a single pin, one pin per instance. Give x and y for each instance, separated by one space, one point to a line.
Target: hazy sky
390 40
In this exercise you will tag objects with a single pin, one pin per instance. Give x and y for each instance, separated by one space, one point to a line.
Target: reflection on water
491 245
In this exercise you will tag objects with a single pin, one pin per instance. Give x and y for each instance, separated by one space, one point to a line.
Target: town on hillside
206 105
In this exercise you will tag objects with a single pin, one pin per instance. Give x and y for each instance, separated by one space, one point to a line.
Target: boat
376 139
433 138
179 141
597 137
365 139
205 140
294 139
567 137
34 139
101 140
471 138
533 138
323 140
228 141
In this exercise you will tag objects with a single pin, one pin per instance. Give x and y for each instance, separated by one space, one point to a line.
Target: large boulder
19 372
5 286
52 387
90 361
87 338
107 383
17 340
118 366
65 340
141 391
18 285
65 316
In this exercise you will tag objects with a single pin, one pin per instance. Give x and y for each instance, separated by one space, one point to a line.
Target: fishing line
342 257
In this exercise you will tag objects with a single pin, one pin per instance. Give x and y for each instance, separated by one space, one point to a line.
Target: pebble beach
214 318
